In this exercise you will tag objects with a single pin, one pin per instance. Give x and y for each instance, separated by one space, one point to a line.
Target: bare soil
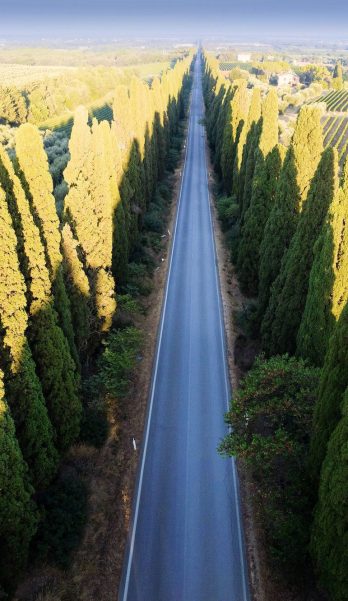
110 472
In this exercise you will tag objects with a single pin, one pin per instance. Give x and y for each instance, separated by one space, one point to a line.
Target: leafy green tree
18 514
299 166
38 183
329 534
328 282
33 427
270 417
262 198
333 383
289 291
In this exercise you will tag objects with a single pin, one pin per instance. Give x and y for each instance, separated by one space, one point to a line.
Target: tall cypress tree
299 166
265 182
333 383
254 217
18 515
79 289
33 427
88 210
236 117
328 282
55 366
289 291
246 141
329 533
38 184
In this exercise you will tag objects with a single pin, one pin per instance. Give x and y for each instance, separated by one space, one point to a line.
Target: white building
243 57
286 79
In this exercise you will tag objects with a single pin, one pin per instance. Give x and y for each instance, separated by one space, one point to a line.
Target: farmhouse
243 57
285 79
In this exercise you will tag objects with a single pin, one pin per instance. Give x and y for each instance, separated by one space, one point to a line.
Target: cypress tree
328 282
236 117
289 291
18 515
337 78
329 533
78 287
55 366
33 427
89 211
333 383
246 142
269 129
38 183
263 193
299 166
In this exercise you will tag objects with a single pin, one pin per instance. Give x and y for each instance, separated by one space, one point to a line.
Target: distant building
285 79
243 58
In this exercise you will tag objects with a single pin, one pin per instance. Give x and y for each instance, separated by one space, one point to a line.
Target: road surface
186 540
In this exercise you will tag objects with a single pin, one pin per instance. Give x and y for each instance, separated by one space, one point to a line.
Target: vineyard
336 100
227 66
64 125
336 134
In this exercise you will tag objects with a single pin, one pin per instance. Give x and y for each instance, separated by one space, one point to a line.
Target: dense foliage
271 418
285 221
58 268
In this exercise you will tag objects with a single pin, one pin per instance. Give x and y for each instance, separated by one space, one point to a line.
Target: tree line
57 281
285 211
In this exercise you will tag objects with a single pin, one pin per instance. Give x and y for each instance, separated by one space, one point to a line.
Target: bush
118 360
228 211
154 222
271 417
64 512
94 424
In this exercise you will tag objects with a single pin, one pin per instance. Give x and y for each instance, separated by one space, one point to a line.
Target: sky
194 18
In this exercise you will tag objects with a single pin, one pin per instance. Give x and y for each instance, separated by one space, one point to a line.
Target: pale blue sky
199 17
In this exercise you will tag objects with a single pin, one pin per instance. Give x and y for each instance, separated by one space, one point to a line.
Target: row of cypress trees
291 255
57 282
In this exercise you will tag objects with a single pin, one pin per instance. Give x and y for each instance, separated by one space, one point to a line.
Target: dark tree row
57 282
287 210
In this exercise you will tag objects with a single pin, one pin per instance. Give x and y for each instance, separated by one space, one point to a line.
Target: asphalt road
186 540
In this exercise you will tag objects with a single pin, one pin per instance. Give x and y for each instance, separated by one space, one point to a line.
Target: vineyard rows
99 112
336 134
336 100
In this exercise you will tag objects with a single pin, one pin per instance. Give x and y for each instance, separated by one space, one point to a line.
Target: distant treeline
58 295
285 213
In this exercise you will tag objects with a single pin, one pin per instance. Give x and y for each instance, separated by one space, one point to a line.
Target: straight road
186 540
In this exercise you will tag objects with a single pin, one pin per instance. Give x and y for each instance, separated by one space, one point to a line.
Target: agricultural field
12 74
335 100
336 134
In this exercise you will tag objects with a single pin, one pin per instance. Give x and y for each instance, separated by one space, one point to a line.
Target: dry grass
23 75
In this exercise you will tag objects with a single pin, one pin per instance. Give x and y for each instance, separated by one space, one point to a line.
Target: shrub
64 513
94 424
118 360
271 417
